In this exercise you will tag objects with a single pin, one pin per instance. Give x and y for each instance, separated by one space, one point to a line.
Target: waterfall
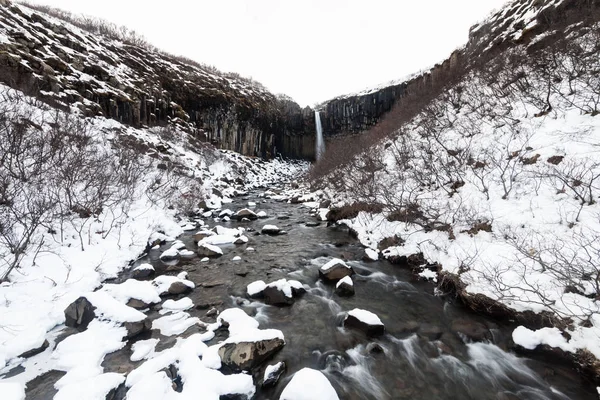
320 147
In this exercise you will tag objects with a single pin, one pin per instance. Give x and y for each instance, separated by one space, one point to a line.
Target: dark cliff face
70 68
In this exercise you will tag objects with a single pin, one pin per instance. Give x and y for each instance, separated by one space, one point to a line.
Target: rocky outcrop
137 85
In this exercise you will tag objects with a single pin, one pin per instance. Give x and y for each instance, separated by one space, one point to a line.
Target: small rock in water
79 314
283 217
312 224
334 270
247 355
170 255
375 348
345 287
137 304
364 321
273 373
179 287
261 214
236 258
251 204
245 214
198 236
205 259
225 219
270 230
212 312
250 249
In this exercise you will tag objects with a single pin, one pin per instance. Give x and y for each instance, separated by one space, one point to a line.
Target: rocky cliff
70 66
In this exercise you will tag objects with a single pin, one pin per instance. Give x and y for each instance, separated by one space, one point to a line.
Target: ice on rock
365 316
309 384
344 281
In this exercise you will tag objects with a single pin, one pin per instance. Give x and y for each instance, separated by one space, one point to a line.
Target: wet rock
245 356
283 217
276 297
375 348
137 304
136 328
213 312
36 351
209 250
364 321
79 314
345 287
430 331
270 230
473 330
241 271
408 326
334 270
312 224
245 213
178 287
273 373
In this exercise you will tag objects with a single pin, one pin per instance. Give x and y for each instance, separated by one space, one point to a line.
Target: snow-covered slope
72 252
497 179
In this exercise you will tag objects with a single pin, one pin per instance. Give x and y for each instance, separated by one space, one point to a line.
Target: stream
432 349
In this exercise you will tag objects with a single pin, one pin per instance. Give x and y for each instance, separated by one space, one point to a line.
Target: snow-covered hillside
496 181
65 237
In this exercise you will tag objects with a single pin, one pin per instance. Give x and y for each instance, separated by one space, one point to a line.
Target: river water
432 349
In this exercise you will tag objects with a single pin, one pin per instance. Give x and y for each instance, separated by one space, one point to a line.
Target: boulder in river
364 321
276 296
209 250
309 384
246 355
198 236
270 230
245 213
335 270
79 314
179 287
345 287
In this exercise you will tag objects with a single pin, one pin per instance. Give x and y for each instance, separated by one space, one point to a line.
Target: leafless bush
55 173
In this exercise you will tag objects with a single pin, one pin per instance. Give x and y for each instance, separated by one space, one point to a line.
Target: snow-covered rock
209 250
270 230
371 254
365 321
278 293
273 373
309 384
245 213
256 288
169 255
142 271
261 214
166 284
345 287
334 270
198 236
244 352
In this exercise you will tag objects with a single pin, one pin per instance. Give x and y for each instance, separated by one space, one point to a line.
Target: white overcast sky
311 50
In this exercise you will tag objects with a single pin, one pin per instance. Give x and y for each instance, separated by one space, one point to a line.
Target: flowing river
432 349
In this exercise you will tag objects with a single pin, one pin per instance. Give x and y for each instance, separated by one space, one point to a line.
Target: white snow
372 254
335 262
133 289
531 339
144 267
211 247
171 253
365 316
174 324
178 305
143 349
255 288
270 228
107 307
283 286
345 280
12 390
309 384
271 369
236 258
261 214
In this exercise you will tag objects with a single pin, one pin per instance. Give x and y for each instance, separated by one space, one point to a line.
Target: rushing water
427 352
320 145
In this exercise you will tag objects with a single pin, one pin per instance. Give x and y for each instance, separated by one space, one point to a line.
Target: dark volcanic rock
245 356
79 314
367 325
276 297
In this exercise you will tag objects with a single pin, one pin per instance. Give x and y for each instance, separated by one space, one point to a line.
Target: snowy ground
33 299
